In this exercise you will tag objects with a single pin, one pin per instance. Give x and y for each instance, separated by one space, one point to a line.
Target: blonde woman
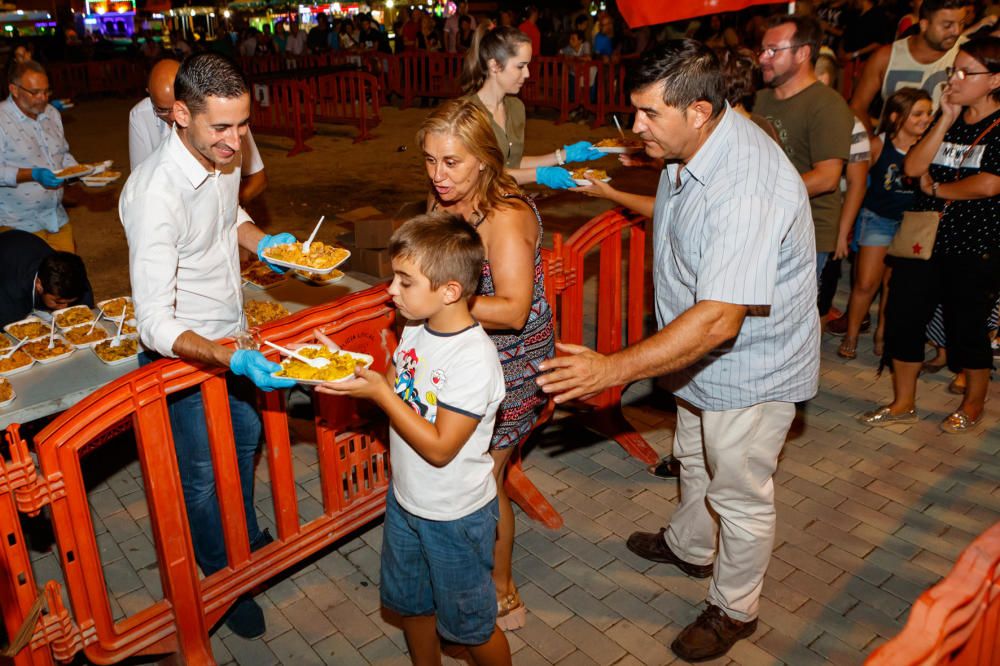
465 167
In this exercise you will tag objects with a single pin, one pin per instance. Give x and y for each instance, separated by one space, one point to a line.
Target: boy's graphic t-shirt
459 372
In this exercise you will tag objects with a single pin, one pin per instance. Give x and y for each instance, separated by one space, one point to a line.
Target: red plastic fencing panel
956 622
285 108
348 98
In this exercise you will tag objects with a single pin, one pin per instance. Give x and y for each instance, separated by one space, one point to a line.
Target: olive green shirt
511 139
813 125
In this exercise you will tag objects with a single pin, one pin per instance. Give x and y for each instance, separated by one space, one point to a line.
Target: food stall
114 18
27 22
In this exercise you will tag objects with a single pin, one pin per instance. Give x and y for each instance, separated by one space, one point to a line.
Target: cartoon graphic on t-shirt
406 376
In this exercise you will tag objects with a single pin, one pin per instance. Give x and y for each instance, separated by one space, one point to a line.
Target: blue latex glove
582 151
46 178
253 365
271 241
555 177
58 105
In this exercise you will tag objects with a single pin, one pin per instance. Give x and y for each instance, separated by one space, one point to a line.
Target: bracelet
934 189
560 157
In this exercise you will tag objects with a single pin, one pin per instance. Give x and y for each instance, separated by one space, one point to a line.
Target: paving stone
543 639
249 653
587 607
120 577
544 606
291 648
308 620
782 594
585 551
367 560
283 592
856 566
384 652
836 650
637 584
353 624
843 540
647 649
875 620
746 653
803 561
319 589
584 526
542 548
825 593
577 658
791 652
586 577
679 610
140 552
592 642
791 624
852 633
636 611
361 591
550 580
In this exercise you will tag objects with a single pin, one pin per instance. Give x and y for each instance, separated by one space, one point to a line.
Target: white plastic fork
618 125
52 333
313 362
308 243
100 313
10 353
117 340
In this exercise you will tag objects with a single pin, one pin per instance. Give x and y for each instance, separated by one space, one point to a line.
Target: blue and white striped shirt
25 144
738 229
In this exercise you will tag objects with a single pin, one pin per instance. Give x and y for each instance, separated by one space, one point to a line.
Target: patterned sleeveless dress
521 352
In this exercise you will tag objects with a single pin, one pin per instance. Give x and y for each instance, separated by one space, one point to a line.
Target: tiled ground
867 519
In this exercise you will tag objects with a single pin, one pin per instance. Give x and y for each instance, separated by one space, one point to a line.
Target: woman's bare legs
503 552
868 277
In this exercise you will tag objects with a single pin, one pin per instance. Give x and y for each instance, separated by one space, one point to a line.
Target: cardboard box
372 261
372 227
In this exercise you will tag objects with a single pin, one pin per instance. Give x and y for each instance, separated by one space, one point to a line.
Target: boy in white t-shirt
441 399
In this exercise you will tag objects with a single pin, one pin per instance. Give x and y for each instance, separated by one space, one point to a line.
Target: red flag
638 13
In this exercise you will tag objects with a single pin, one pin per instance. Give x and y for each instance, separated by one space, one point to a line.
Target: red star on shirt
917 248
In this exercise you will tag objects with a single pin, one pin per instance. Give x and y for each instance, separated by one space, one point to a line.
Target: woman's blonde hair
499 44
464 120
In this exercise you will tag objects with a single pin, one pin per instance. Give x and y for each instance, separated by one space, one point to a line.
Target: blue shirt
26 144
734 226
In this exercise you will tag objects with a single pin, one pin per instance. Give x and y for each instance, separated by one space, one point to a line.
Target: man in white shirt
32 147
184 227
296 43
150 120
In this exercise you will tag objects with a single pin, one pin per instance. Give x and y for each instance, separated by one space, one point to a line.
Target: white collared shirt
146 131
180 221
27 143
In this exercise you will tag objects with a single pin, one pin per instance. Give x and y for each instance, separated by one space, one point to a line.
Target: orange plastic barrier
611 94
619 284
68 79
285 108
354 476
548 84
428 74
115 76
956 622
347 98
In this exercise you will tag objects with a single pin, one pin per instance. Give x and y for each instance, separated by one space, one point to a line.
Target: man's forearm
192 347
248 236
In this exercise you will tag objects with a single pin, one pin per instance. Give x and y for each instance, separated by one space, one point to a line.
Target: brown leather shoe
653 547
711 635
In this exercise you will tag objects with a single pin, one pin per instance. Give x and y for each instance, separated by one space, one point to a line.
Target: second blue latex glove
252 365
58 105
555 177
271 241
46 178
582 151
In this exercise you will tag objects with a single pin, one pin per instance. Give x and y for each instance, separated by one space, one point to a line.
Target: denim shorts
873 230
442 568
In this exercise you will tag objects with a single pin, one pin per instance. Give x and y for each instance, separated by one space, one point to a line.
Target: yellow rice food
126 347
79 314
31 329
39 349
340 366
14 361
78 335
116 306
260 273
320 254
261 312
617 143
6 390
585 173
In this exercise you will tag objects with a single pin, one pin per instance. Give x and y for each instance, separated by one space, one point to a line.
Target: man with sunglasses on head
150 121
32 148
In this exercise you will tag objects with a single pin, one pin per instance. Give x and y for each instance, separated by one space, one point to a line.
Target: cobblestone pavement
867 519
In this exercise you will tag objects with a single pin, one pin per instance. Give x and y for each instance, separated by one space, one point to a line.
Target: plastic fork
117 340
10 353
52 334
100 313
312 362
308 243
618 125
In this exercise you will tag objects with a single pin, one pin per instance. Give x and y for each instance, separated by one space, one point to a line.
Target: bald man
150 120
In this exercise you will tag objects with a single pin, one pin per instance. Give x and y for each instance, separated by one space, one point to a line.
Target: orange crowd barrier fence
956 622
427 74
346 98
353 466
284 108
78 79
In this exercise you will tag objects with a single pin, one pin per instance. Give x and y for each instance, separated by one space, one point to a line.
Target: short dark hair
63 275
578 33
985 51
689 70
931 7
741 75
208 75
808 32
19 69
444 246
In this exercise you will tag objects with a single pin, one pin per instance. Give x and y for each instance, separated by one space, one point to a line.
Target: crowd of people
769 180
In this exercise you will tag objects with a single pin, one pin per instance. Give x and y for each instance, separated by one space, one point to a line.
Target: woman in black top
958 163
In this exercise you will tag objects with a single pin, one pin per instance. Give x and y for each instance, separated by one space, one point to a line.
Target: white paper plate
114 318
22 321
365 359
619 150
307 278
54 358
13 395
121 360
583 183
56 313
15 371
85 345
308 269
97 180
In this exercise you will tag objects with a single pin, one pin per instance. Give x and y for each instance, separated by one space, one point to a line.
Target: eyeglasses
35 92
162 112
772 51
960 73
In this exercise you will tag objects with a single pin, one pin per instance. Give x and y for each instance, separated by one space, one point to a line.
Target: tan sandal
511 613
848 348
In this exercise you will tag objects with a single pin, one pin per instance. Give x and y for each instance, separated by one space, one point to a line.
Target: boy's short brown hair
444 247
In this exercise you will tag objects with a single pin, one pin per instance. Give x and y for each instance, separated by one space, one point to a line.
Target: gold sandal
511 613
848 348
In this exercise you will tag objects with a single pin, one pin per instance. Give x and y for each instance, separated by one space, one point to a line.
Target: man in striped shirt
735 289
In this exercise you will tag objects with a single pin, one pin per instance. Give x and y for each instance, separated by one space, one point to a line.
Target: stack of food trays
258 274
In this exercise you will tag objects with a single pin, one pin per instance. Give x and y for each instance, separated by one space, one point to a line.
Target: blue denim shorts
442 568
872 230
